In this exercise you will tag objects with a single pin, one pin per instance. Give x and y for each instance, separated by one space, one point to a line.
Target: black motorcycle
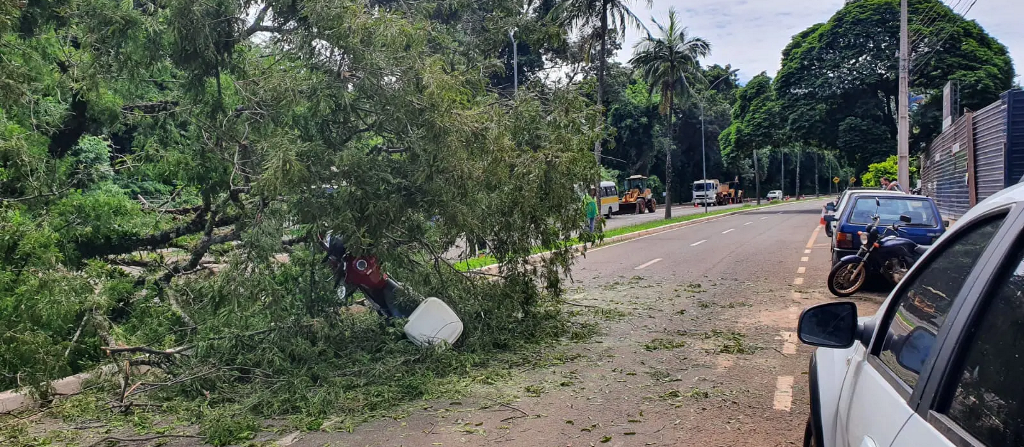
891 256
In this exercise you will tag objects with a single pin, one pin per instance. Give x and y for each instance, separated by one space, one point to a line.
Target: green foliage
144 145
887 168
838 85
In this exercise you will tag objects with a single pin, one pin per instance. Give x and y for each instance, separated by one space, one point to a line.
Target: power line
933 19
949 32
928 18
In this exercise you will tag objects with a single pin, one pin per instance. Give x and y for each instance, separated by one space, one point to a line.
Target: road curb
535 259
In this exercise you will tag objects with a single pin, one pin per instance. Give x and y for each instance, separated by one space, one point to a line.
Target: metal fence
977 156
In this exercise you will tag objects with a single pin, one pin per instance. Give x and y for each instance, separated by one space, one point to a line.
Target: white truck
706 191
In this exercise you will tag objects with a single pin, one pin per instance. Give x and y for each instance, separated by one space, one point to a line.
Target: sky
750 34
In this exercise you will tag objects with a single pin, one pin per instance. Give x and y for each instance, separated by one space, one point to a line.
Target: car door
876 399
974 396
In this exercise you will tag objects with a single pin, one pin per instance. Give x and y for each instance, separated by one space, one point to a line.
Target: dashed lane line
698 243
729 231
748 223
798 281
646 264
804 259
801 270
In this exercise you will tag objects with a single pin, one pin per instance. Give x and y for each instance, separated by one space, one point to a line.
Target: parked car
859 208
774 195
837 206
939 363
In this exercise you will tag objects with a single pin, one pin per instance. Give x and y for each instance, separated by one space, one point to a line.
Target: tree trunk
668 161
600 84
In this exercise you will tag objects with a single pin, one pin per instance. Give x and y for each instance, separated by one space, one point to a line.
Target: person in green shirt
590 202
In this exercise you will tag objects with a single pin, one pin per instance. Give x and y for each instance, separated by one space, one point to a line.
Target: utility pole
904 101
757 179
817 178
796 192
782 171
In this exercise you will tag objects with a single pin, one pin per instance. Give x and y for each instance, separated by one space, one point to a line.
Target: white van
608 199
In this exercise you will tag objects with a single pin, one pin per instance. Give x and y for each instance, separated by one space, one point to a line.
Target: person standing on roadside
890 185
590 202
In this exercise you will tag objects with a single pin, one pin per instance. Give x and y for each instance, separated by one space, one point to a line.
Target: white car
774 195
939 363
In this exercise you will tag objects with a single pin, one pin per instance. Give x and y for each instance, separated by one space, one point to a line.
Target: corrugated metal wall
944 176
989 149
1014 100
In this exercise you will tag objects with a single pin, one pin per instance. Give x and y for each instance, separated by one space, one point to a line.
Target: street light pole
703 158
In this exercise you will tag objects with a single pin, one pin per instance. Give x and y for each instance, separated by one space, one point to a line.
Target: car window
889 210
922 306
989 400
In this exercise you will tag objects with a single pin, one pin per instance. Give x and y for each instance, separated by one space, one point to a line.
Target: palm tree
665 62
591 17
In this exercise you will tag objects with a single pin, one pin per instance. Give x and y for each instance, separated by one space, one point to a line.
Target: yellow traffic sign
835 180
853 180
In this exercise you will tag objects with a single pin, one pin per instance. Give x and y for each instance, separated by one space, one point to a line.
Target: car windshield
890 209
698 187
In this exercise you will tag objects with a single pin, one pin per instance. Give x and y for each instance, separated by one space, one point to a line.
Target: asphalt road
696 346
659 214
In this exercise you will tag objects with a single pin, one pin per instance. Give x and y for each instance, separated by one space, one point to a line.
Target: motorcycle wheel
846 278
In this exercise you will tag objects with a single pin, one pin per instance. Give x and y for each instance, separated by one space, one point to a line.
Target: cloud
750 34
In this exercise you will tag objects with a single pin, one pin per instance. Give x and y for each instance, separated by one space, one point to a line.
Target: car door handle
867 442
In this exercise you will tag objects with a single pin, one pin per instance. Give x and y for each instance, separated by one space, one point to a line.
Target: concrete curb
14 400
537 258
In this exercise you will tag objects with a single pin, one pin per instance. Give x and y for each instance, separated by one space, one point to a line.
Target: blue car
924 229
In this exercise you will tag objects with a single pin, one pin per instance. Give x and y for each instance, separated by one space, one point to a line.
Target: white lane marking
801 270
698 243
748 223
797 295
798 281
763 218
729 230
646 264
804 259
789 340
783 393
807 252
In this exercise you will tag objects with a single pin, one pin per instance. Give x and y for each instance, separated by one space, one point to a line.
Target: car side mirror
912 349
830 218
905 219
830 325
831 207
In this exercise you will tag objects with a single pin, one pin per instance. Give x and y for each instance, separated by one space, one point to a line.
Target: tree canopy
145 145
838 86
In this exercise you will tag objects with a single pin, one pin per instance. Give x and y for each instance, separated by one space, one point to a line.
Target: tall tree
591 19
665 62
838 86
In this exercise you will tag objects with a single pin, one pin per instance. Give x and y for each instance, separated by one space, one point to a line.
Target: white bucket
433 322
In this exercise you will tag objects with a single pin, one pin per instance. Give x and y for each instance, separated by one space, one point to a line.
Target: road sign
835 180
853 180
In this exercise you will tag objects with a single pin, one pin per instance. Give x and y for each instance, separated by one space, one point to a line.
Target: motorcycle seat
920 249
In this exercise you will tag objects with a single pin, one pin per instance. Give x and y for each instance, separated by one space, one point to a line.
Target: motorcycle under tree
363 273
892 257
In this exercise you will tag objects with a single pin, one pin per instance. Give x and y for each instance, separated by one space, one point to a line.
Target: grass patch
659 344
732 342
